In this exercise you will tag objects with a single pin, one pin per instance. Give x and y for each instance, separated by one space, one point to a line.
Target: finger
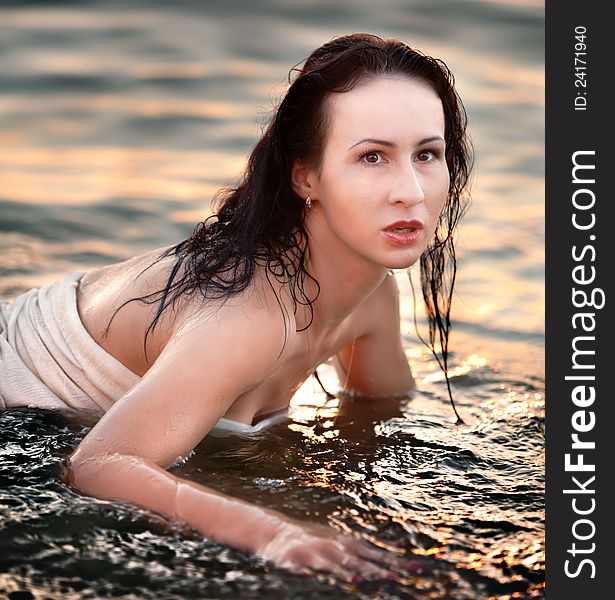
349 569
364 568
323 564
389 559
366 550
333 557
356 572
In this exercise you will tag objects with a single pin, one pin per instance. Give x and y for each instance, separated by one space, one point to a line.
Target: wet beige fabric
49 360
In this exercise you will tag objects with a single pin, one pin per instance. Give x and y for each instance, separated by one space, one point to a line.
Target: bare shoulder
109 312
253 321
216 352
246 336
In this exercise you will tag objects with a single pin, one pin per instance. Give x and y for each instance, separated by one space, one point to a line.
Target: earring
308 202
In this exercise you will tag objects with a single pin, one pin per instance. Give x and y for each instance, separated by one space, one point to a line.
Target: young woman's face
383 178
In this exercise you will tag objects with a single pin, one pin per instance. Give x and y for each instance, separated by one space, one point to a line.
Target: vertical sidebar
579 254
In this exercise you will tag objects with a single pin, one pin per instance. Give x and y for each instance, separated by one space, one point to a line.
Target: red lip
404 233
414 224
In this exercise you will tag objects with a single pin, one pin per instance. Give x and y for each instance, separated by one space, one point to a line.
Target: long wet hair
260 223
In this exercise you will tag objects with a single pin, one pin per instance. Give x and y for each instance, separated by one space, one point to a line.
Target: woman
360 171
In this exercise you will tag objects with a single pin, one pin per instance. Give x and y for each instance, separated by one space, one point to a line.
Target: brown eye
372 157
425 156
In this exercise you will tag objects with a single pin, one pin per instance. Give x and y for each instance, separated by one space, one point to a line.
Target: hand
301 547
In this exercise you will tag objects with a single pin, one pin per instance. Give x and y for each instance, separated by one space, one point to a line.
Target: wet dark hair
260 223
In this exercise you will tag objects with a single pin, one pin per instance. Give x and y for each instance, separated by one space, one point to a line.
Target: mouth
404 233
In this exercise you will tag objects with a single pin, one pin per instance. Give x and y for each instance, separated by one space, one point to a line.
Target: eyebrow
433 138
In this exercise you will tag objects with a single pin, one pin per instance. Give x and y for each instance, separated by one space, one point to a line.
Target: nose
407 188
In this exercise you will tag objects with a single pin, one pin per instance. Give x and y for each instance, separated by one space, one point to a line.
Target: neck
346 279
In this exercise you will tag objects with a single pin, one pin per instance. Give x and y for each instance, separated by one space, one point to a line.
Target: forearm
285 542
221 518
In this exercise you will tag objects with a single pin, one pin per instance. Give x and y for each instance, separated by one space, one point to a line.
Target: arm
192 384
375 363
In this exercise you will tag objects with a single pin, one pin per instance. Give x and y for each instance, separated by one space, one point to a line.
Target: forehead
393 107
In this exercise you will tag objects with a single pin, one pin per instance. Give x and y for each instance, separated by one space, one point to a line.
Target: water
116 127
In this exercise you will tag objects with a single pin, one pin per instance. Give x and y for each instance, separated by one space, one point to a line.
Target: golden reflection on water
127 106
317 475
468 365
94 174
110 144
313 414
74 18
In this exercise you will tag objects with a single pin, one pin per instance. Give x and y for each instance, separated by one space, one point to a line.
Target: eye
372 157
428 155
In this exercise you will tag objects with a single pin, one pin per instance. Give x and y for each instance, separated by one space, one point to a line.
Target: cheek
343 199
437 204
441 195
346 214
441 204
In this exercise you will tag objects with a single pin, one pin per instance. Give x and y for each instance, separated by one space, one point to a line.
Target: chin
404 259
402 262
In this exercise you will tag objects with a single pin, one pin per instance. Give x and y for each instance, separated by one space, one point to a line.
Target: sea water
117 126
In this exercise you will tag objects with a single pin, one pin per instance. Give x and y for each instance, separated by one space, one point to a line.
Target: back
103 291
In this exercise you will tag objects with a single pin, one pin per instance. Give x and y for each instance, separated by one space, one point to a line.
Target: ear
301 180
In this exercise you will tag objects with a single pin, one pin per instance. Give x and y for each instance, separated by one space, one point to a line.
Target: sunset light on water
118 125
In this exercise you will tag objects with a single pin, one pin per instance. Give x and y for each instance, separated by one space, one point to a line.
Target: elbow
125 478
96 474
86 473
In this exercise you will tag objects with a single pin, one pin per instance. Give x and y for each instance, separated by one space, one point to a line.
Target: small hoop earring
308 202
